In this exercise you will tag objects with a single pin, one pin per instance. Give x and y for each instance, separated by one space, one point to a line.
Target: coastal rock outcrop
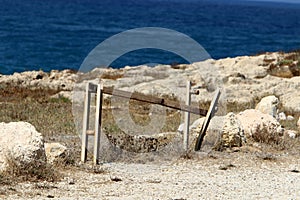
55 80
284 65
291 101
21 144
245 79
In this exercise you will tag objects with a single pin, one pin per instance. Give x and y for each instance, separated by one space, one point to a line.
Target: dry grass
113 75
50 117
41 171
262 137
139 112
291 124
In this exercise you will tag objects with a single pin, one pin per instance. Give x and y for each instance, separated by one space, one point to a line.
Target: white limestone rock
291 101
20 142
291 133
255 123
180 128
281 116
290 118
56 80
268 105
55 152
223 132
232 132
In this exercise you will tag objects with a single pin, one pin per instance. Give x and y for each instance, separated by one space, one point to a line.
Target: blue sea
58 34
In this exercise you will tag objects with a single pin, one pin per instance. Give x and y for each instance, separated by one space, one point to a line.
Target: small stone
226 166
281 116
180 128
63 95
290 118
298 123
266 156
55 152
291 133
71 182
115 179
153 181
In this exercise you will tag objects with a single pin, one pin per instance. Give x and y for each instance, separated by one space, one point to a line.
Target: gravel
215 175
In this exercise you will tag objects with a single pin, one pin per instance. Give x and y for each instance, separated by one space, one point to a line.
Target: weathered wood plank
187 117
153 100
86 113
210 114
98 124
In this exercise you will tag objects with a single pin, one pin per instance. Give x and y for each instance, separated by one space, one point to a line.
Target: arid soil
248 174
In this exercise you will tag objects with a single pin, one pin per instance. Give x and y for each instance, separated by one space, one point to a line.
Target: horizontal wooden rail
150 99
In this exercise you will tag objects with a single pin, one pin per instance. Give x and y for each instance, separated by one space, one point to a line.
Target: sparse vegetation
271 139
291 124
41 171
285 62
50 117
113 75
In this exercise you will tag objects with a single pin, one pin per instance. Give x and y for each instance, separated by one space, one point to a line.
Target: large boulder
268 105
22 144
223 132
259 126
232 132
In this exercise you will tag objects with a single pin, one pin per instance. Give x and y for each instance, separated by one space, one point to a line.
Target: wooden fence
99 90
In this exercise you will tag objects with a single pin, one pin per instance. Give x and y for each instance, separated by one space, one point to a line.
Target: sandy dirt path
205 176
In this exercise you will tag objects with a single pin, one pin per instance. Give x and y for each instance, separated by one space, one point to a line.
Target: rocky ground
258 150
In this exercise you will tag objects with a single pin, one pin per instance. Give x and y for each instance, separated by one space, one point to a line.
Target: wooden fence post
85 126
187 117
99 95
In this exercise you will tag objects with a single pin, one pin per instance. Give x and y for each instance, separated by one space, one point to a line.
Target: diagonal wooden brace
212 110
